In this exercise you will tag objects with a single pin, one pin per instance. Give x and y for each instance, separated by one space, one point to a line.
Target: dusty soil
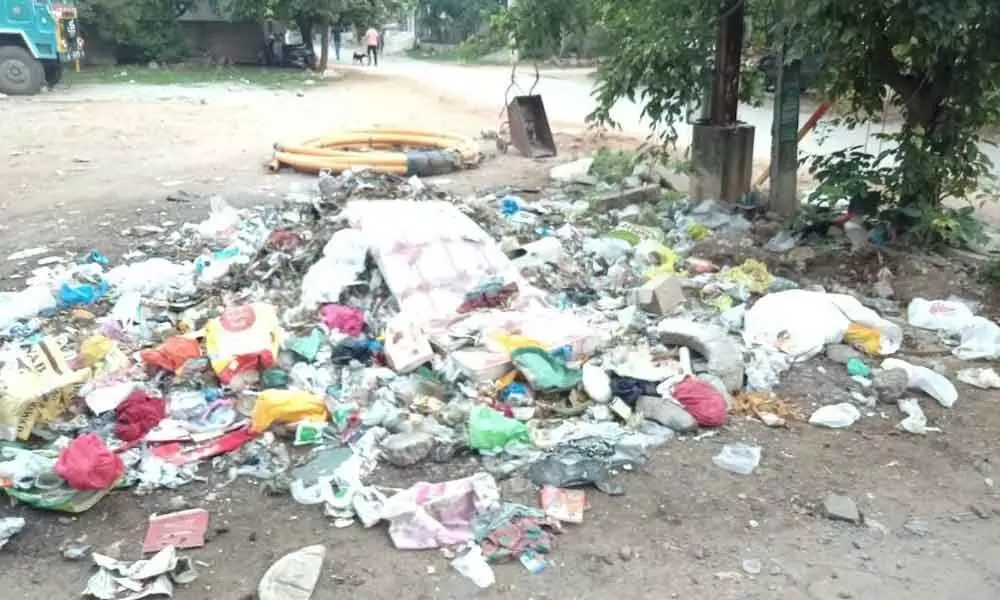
78 173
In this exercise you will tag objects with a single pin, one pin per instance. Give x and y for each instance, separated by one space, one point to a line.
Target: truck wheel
20 73
53 73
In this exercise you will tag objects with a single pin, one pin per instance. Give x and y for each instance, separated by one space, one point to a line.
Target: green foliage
939 58
140 30
612 166
453 21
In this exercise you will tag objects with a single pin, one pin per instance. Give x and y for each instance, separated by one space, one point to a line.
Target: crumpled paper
153 577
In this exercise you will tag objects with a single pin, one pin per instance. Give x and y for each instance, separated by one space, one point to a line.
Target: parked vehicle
37 37
279 52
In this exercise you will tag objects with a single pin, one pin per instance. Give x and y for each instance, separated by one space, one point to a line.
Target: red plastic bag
705 403
87 464
172 354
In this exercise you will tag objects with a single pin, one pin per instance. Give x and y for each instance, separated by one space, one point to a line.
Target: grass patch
452 55
197 75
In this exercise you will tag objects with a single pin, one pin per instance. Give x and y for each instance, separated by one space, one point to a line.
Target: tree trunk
324 52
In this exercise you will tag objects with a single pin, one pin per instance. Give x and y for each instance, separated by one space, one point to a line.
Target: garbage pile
384 321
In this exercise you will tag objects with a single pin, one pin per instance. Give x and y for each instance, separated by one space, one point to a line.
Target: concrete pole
785 124
728 55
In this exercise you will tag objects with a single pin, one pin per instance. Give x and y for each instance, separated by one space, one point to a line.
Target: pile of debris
384 320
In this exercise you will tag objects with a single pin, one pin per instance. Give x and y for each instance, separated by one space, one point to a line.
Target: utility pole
728 58
721 146
785 124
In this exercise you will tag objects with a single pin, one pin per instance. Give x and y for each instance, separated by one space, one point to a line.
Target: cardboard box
660 295
36 386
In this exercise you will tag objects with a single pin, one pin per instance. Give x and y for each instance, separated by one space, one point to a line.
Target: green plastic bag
545 372
489 430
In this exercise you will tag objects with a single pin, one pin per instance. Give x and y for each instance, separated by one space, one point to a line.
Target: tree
310 15
454 20
140 30
940 58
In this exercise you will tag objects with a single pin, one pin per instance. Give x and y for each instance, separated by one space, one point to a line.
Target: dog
359 58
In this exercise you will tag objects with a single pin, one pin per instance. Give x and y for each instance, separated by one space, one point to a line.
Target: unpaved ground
79 173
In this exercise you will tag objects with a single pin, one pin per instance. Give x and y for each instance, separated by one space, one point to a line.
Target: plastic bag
801 323
491 431
81 294
700 398
938 315
738 458
287 406
543 371
87 464
172 354
835 416
222 225
596 383
25 304
980 378
243 339
934 385
980 340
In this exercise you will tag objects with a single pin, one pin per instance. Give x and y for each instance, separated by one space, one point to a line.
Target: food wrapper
243 339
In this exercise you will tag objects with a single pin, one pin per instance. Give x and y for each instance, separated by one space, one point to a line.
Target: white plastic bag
596 383
801 323
835 416
938 315
343 260
25 304
980 340
738 458
933 384
981 378
915 421
474 566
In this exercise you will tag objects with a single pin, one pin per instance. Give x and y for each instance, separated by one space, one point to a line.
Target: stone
981 510
842 353
720 350
660 295
626 553
407 449
837 507
916 526
883 289
294 576
667 413
577 171
752 566
890 384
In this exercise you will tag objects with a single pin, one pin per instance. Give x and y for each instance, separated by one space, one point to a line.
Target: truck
37 38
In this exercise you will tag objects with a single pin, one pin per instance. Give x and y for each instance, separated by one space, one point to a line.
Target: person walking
335 34
371 41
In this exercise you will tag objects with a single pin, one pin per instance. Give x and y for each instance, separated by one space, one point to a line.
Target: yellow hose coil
396 151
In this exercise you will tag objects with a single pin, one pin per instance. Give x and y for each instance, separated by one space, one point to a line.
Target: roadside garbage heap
379 322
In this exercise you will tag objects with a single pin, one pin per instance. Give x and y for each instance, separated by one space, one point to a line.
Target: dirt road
82 165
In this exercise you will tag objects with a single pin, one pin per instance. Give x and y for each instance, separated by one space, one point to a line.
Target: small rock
916 526
626 553
890 384
845 595
699 553
841 353
752 566
841 508
883 289
666 413
981 511
407 449
775 571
